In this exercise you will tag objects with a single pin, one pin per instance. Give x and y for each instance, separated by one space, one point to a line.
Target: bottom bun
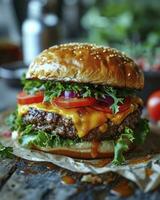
84 150
76 154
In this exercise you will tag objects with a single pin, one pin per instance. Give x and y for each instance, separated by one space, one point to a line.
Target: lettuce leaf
116 100
14 121
142 131
129 136
122 145
40 138
6 152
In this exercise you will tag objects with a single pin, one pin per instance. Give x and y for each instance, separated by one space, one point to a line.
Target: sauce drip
101 162
28 171
68 180
94 148
148 172
140 160
49 166
123 189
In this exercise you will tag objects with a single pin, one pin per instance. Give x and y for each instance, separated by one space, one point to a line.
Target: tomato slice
23 98
101 106
74 102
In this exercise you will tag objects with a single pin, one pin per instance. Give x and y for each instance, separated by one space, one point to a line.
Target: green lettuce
6 152
142 131
14 121
122 145
40 138
129 136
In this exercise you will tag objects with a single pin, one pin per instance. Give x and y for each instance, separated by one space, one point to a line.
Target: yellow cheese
84 118
103 128
118 118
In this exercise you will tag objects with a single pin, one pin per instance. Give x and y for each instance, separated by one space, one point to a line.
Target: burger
79 100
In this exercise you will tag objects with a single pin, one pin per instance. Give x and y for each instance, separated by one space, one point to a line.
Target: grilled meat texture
64 127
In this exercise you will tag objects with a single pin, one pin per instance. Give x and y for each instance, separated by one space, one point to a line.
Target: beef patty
64 127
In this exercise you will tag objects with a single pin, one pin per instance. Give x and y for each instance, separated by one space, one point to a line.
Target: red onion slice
107 100
69 94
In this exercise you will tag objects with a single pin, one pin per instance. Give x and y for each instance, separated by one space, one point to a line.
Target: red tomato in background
153 105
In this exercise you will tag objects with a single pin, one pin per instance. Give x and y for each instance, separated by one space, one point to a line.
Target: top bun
86 63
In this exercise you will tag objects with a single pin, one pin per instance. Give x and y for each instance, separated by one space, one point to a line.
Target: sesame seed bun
87 63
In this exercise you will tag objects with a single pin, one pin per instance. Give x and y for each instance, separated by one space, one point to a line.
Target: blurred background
29 26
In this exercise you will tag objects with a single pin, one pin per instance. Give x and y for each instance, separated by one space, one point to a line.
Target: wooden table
20 179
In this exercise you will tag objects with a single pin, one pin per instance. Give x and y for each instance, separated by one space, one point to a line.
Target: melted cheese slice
85 118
